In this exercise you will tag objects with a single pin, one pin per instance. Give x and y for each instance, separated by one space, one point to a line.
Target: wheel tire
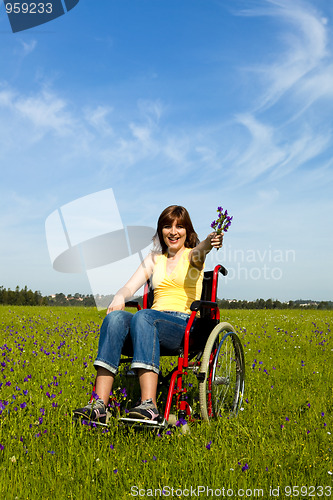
221 384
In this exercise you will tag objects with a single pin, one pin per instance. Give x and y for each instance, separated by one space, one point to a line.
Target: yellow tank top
177 291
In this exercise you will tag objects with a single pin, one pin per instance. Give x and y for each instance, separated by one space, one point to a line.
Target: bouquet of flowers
223 221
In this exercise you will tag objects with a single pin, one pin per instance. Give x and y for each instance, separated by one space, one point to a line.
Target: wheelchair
211 350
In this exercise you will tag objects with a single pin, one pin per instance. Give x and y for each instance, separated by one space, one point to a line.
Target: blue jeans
149 329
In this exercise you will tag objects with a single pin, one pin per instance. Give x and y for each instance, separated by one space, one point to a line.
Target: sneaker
94 411
145 411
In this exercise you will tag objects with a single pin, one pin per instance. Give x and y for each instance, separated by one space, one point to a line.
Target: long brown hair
181 216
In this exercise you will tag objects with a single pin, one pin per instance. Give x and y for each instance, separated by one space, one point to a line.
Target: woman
176 272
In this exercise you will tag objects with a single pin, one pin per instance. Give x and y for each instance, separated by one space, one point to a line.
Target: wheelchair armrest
198 304
133 303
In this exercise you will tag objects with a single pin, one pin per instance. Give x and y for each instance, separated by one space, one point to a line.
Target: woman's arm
139 278
198 254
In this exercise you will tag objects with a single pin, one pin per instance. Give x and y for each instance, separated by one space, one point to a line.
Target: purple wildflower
208 445
245 467
223 221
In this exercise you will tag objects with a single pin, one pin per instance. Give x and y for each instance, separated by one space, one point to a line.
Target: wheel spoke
221 381
223 361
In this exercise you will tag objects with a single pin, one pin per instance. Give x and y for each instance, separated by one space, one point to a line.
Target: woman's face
174 236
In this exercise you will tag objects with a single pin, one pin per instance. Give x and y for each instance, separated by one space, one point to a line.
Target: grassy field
280 440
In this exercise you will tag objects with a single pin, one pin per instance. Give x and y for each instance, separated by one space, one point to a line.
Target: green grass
282 437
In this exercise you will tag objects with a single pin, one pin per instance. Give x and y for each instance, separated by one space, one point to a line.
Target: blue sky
193 102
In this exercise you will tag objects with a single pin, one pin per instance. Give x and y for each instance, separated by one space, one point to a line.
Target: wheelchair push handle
222 269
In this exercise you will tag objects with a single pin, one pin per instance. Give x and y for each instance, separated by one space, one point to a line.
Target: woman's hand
216 240
138 279
118 304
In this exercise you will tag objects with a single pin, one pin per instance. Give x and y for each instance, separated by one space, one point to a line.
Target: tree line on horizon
25 297
274 304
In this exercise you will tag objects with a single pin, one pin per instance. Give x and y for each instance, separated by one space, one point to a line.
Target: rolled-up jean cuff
105 365
137 365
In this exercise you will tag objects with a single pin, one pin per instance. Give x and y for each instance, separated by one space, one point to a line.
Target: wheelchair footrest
149 424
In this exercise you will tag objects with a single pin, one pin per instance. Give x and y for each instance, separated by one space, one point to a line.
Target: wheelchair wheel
222 372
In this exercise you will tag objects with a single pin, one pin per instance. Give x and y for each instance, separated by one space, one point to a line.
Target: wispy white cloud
308 146
266 149
151 109
262 153
98 118
7 97
287 123
46 111
304 47
28 47
43 111
318 86
273 153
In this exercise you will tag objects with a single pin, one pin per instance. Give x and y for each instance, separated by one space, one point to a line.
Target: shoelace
144 404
